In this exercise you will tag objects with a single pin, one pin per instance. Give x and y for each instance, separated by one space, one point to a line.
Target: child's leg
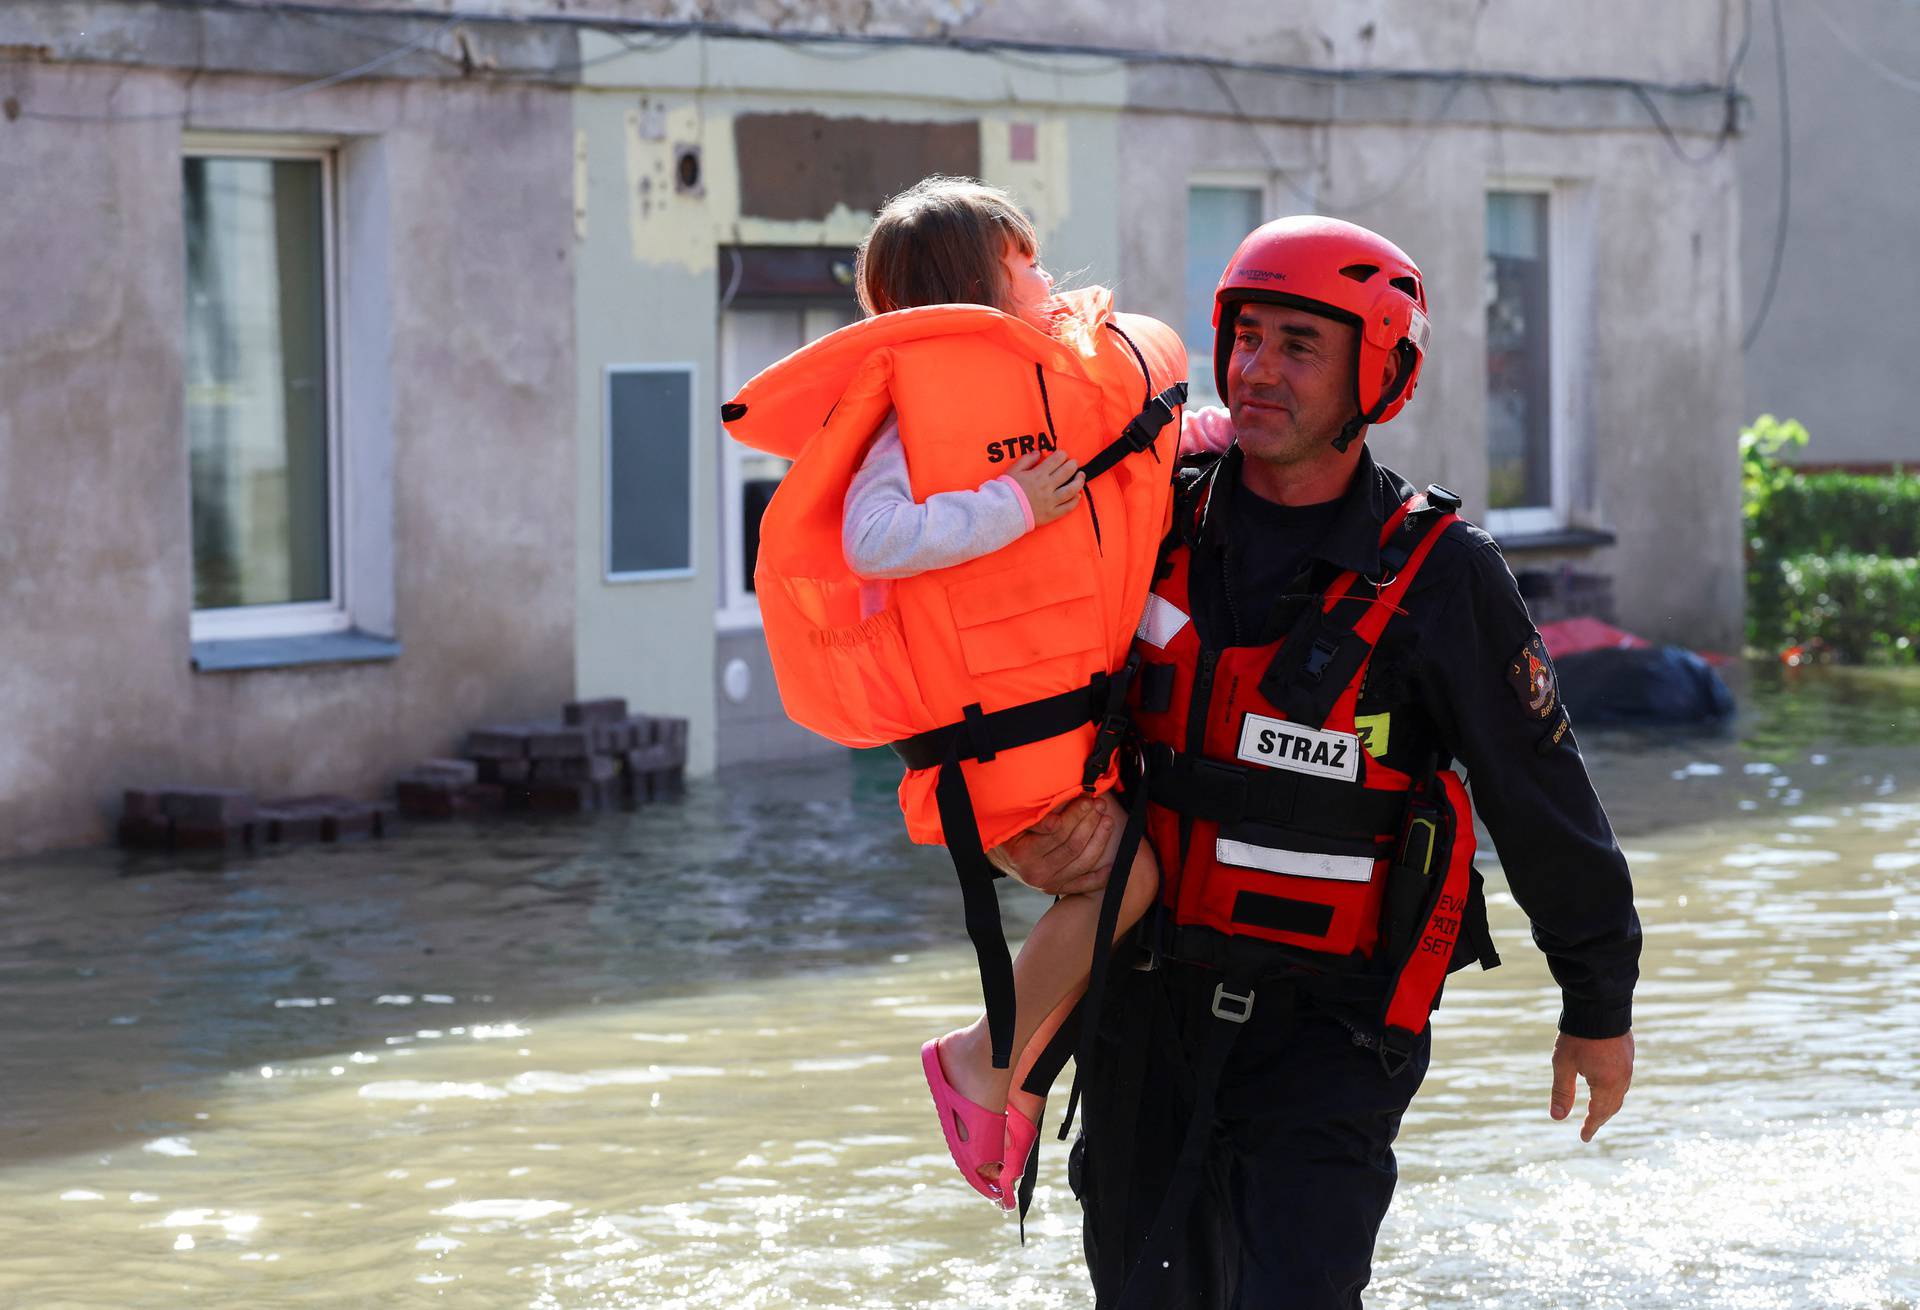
1049 972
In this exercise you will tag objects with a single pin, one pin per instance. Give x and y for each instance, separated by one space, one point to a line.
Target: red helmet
1345 272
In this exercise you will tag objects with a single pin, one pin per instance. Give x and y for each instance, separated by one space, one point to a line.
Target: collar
1352 543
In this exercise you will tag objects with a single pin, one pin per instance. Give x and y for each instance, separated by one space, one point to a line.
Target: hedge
1865 609
1831 557
1826 513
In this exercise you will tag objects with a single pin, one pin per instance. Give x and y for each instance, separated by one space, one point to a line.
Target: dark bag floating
1654 684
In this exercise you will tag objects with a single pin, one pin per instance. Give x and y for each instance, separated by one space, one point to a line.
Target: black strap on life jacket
981 736
1322 653
1141 431
1143 428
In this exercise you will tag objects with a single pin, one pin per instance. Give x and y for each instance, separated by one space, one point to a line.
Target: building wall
94 529
534 240
1834 349
649 285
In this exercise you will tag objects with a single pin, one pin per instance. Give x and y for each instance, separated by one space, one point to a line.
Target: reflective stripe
1299 864
1160 621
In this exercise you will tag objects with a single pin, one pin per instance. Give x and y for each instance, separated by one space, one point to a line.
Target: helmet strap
1350 431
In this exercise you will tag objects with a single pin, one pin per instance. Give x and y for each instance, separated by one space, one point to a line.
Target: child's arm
885 533
1206 429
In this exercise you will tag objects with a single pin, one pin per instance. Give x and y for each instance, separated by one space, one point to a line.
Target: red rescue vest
1284 845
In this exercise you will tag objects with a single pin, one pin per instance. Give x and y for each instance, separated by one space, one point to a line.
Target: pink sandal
1022 1132
975 1135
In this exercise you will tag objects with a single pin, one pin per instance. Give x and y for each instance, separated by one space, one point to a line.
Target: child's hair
940 242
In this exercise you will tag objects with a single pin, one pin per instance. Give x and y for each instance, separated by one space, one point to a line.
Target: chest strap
1141 431
1215 791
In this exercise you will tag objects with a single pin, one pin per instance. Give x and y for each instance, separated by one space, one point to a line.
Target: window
1519 357
649 473
1218 219
261 393
773 300
1537 291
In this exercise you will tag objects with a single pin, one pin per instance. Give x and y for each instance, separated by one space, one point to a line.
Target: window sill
236 655
1555 539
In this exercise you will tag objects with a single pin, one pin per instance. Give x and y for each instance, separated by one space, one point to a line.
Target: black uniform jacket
1462 675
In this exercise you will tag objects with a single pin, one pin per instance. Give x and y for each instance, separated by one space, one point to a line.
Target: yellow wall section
1039 184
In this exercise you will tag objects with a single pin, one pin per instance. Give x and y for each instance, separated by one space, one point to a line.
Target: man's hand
1062 854
1607 1065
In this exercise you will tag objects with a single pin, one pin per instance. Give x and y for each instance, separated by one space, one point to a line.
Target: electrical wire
1852 47
1786 183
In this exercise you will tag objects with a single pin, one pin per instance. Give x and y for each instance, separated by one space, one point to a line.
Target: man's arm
1495 699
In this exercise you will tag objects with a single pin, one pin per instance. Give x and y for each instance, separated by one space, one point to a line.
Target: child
848 635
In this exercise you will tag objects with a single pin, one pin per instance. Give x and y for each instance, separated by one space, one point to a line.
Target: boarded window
649 422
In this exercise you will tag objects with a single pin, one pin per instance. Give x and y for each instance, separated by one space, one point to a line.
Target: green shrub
1824 513
1830 556
1865 609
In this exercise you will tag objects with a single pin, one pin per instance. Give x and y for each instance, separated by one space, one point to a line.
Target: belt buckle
1234 1007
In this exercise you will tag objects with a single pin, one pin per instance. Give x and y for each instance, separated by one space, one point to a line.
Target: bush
1830 556
1823 513
1865 609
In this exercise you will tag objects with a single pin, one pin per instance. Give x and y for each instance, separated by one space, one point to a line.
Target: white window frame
692 372
309 618
1569 357
737 609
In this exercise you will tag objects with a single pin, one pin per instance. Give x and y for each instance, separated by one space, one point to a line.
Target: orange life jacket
973 389
993 679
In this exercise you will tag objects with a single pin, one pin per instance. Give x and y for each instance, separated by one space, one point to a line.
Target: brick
386 818
425 800
562 797
559 743
483 796
285 825
141 831
505 770
207 807
610 709
458 772
500 741
595 768
349 822
212 836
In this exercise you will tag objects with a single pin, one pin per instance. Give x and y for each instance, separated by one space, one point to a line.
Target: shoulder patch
1531 677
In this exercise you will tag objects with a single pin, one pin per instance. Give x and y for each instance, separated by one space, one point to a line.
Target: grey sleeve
885 533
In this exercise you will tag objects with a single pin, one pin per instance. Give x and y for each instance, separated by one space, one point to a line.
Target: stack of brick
225 819
598 756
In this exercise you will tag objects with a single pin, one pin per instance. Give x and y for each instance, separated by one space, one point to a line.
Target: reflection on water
670 1061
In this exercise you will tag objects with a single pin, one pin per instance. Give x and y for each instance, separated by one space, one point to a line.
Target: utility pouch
1416 877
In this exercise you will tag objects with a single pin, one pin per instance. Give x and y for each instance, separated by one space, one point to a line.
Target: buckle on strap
1143 427
1234 1007
1112 724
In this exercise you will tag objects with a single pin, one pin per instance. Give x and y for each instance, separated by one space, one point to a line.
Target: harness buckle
1234 1007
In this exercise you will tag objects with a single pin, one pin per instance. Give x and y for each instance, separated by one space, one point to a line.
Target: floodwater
670 1060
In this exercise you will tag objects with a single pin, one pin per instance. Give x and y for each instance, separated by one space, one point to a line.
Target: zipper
1094 515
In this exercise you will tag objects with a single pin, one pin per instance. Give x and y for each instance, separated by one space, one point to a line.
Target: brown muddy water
670 1060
